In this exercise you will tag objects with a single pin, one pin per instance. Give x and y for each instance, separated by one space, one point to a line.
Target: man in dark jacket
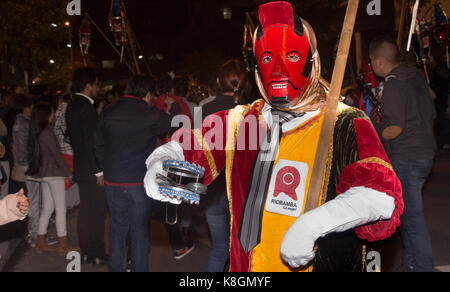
125 135
81 118
407 132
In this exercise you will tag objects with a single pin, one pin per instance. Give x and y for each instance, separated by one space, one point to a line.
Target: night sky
183 33
171 29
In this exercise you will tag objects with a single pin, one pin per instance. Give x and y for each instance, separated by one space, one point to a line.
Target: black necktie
251 219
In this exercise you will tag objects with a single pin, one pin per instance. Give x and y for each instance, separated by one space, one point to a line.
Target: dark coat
125 136
81 118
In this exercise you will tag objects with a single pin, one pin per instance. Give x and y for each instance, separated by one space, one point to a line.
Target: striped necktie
251 219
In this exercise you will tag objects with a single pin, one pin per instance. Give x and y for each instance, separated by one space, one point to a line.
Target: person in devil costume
371 92
267 151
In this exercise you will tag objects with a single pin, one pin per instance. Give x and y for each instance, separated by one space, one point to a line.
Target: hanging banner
117 22
85 37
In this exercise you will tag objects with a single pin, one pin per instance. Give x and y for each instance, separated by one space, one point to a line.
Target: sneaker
31 240
51 240
181 253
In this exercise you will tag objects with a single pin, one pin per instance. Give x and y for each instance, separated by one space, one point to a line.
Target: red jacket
160 103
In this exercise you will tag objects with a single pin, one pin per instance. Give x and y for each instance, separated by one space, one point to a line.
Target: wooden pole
359 51
131 40
401 26
318 172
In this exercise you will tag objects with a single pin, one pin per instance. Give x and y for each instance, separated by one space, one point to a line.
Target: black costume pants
91 218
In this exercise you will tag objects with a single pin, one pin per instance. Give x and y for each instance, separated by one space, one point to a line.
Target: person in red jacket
166 90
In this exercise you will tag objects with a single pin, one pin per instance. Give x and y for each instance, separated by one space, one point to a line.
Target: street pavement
436 207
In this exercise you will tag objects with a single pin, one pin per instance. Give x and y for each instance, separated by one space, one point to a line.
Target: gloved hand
169 151
358 206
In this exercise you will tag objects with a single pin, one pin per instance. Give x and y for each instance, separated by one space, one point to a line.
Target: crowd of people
106 148
98 146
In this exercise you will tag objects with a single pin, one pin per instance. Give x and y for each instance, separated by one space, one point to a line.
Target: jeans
218 218
417 251
130 209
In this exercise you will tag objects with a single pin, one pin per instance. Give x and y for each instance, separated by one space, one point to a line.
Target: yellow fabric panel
299 145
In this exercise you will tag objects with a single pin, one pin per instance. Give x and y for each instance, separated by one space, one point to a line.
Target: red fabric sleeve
373 171
206 147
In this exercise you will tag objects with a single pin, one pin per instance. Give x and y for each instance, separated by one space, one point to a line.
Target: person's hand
100 181
297 247
22 202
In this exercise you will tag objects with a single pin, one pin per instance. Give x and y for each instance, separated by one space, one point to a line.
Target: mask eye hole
266 59
293 57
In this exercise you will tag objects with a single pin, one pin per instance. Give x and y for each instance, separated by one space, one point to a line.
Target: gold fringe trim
323 196
377 161
205 147
364 255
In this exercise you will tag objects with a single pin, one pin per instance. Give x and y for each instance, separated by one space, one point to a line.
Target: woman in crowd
232 83
47 164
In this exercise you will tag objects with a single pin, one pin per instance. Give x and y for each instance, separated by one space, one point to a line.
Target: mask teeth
279 86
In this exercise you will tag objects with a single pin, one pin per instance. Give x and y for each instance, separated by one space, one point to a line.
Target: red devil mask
283 54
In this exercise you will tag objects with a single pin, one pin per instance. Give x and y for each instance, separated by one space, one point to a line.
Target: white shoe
31 240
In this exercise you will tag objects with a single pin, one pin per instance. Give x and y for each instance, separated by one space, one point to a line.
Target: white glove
169 151
358 206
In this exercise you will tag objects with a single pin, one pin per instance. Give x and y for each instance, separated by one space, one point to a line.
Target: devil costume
267 151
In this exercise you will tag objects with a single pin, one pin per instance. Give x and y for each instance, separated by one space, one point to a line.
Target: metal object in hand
181 181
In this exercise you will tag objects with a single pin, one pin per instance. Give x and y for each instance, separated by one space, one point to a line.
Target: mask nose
279 69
